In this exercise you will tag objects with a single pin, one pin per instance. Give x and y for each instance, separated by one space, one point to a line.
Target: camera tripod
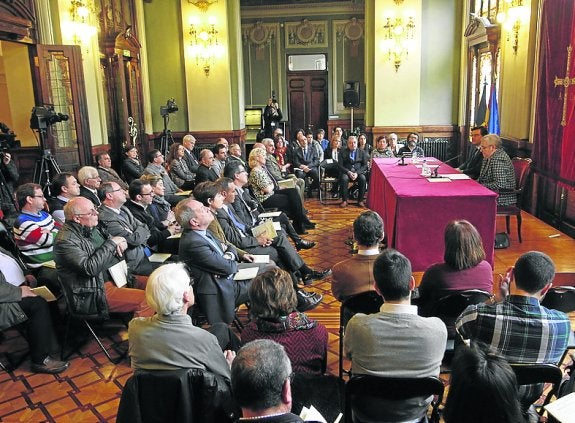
45 167
167 140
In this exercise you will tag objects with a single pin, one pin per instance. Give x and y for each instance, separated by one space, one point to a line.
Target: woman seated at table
266 191
464 267
274 316
178 169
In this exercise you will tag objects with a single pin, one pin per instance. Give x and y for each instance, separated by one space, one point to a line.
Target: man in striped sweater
34 229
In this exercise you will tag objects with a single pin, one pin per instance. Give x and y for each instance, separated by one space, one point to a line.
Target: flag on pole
481 108
493 124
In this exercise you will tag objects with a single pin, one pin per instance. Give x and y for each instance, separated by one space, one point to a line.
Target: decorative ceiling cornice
289 10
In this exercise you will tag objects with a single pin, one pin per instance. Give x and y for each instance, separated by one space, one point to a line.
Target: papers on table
563 408
270 214
440 179
261 258
246 273
119 273
44 292
159 257
456 176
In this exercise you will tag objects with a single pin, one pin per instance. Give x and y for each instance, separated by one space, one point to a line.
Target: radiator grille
440 148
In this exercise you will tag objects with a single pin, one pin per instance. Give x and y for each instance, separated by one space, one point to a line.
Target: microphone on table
402 161
434 173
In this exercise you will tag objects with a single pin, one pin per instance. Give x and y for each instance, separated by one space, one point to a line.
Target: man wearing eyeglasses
89 183
497 171
83 253
119 221
34 229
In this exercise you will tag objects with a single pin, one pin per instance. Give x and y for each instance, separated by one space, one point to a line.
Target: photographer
9 177
272 117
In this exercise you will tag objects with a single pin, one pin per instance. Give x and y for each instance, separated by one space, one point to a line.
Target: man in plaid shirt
497 171
519 328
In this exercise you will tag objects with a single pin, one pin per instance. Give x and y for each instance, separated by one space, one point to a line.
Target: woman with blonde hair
267 191
274 316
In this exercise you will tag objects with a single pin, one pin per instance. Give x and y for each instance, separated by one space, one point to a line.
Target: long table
415 211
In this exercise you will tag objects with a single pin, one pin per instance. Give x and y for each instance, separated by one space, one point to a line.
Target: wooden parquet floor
89 391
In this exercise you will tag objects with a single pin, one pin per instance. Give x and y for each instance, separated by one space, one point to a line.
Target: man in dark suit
119 221
189 141
472 166
212 265
90 182
353 169
305 159
205 171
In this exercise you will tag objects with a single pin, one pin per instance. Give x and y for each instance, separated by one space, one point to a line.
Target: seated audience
168 340
220 156
353 169
205 171
311 142
261 375
281 152
507 325
189 142
156 167
268 193
160 209
179 172
464 267
305 160
273 304
89 183
211 264
235 153
106 172
64 187
20 305
83 254
362 144
483 388
131 166
497 172
332 163
355 275
34 228
280 173
117 220
11 176
320 138
390 343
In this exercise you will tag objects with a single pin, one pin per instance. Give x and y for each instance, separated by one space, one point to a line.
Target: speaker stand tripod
351 124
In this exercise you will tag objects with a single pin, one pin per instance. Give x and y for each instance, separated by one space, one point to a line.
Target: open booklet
265 228
312 415
119 273
44 292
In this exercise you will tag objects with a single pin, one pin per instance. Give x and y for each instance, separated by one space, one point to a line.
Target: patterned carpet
90 389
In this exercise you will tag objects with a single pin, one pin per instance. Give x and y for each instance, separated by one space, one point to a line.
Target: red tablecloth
416 211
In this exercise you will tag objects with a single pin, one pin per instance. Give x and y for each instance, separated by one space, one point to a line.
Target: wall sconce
398 38
512 19
78 27
204 46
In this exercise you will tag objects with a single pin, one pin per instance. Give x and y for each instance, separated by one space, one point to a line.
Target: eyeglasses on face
92 212
159 155
149 193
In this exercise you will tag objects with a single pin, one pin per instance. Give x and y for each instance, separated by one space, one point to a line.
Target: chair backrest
560 298
361 391
449 307
539 373
367 302
522 168
186 395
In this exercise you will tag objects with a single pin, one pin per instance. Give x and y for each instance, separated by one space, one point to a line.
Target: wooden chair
368 303
364 393
522 168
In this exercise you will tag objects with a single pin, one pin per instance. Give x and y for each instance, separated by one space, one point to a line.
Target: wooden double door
307 100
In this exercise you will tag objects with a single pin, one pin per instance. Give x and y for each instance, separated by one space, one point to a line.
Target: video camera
170 107
44 116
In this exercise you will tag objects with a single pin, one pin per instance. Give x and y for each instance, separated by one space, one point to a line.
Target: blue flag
493 125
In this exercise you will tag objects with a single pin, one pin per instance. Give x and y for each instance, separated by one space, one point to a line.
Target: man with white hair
90 181
497 171
168 340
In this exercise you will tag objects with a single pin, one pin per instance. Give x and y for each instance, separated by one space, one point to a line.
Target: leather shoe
343 204
50 365
302 244
315 274
307 300
300 230
309 225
